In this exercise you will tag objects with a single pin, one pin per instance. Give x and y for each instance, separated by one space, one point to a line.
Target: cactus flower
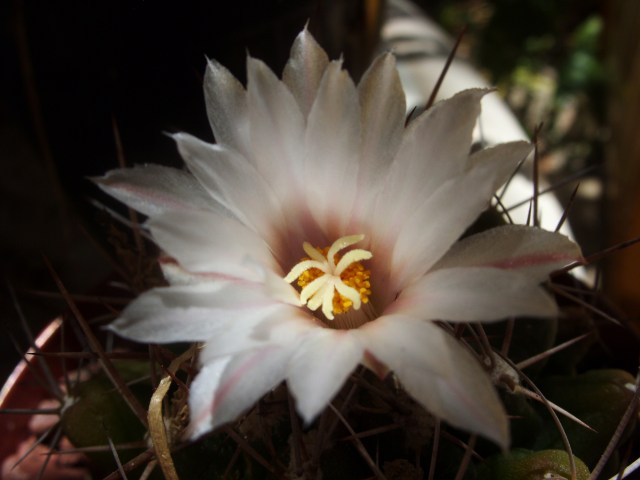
320 232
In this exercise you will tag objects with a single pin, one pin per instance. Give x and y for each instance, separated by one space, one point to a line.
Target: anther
334 287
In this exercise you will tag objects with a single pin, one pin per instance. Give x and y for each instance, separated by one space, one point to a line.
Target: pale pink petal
201 392
529 250
235 183
153 189
432 227
271 283
435 148
515 152
226 102
319 368
439 373
281 326
277 288
332 144
206 242
175 274
193 313
245 379
382 105
277 127
474 294
304 70
382 111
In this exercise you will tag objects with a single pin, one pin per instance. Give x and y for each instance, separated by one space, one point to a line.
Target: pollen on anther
352 279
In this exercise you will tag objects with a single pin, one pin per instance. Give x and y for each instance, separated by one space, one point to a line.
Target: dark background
71 72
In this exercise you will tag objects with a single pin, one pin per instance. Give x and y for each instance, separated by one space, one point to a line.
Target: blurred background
72 72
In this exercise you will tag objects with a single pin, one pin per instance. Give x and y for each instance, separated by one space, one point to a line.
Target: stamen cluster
331 280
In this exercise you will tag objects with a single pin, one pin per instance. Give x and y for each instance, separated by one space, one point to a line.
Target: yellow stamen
336 287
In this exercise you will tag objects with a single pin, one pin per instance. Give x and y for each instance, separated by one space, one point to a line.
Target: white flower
309 167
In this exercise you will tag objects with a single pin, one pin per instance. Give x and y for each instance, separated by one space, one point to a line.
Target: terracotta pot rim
21 369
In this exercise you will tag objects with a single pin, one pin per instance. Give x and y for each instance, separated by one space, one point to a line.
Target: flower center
335 281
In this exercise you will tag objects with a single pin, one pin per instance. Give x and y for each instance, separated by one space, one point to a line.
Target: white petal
474 294
436 224
193 313
277 288
209 243
234 182
272 283
319 368
282 326
277 127
245 379
201 391
493 157
153 189
177 275
434 149
303 71
439 373
332 143
382 114
226 102
529 250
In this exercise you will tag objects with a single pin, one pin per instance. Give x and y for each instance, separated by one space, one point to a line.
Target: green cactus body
599 398
99 413
528 465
